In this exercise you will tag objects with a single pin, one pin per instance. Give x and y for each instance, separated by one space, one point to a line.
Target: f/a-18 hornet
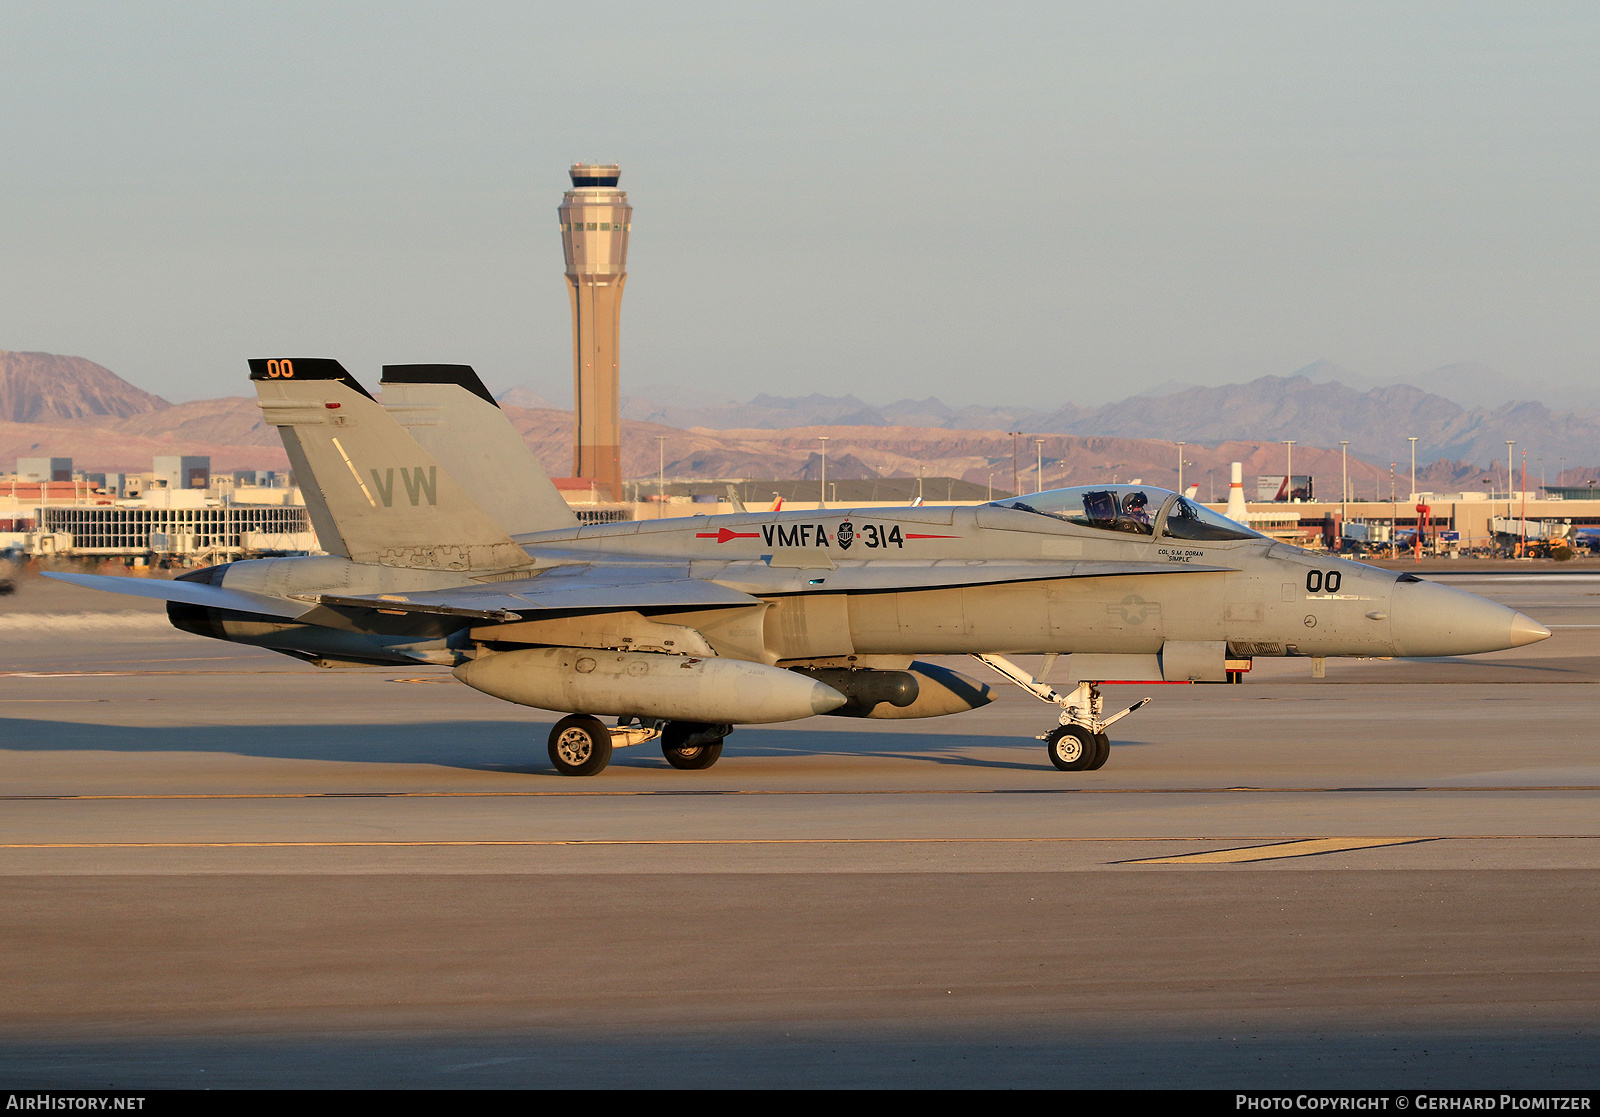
446 544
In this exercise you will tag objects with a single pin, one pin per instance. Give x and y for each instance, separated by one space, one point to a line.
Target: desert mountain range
45 388
68 406
1376 421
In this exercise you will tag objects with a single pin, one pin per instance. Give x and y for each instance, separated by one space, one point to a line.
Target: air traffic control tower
595 218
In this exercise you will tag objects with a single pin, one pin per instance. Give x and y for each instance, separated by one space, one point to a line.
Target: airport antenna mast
595 222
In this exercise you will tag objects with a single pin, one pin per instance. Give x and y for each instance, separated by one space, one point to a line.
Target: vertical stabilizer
451 414
374 494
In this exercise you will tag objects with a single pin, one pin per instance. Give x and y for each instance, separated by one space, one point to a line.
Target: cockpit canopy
1134 509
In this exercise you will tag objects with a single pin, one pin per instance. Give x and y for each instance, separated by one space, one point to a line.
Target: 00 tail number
1318 581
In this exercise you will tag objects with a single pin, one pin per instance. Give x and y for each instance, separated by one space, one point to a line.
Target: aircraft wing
576 587
190 593
585 587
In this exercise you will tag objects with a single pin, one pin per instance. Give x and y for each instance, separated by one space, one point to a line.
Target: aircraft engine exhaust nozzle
649 685
1429 619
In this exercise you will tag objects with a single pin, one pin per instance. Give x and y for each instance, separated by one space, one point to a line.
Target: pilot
1134 507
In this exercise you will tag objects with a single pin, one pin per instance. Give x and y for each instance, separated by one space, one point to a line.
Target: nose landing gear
1079 743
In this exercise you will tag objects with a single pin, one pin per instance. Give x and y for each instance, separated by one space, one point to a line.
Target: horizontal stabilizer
190 593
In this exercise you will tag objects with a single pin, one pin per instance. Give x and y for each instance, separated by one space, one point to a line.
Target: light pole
1522 527
1413 440
1394 516
1180 467
661 474
1510 442
1039 448
1288 466
822 496
1344 489
1014 485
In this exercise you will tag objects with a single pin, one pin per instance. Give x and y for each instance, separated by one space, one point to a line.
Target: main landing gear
580 744
691 746
1079 743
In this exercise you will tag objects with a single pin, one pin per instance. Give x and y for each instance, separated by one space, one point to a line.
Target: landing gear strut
1079 743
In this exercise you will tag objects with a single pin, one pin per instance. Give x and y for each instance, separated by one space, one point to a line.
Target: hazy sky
981 202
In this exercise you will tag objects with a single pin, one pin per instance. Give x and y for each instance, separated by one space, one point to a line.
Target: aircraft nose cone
1431 619
1526 630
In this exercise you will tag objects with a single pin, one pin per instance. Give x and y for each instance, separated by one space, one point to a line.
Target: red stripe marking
909 535
723 535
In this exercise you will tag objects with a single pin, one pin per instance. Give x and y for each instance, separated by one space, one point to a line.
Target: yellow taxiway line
854 791
1306 847
1334 843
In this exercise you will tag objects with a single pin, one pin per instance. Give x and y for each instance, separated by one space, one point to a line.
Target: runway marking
1305 847
403 843
1494 576
714 792
64 674
1277 849
122 674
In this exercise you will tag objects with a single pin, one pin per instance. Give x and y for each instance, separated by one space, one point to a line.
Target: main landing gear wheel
689 758
1073 748
580 745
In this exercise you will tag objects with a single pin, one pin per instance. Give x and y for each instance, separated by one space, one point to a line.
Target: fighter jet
452 548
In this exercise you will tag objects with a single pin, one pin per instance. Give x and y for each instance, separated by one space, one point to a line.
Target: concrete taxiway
221 867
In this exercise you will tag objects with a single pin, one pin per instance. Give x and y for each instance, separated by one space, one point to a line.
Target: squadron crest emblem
845 536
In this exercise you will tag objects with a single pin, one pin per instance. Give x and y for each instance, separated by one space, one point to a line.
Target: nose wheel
1072 748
